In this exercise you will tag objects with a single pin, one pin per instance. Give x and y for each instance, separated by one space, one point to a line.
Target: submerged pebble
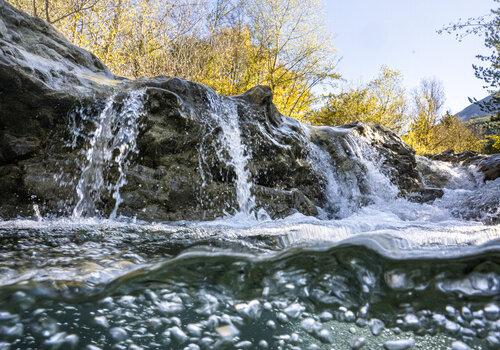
357 343
376 326
458 345
401 344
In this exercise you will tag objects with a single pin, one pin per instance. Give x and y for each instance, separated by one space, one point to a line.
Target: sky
402 34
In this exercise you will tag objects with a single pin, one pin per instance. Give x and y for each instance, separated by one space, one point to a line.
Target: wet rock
396 159
376 326
357 343
489 165
181 171
401 344
458 345
425 195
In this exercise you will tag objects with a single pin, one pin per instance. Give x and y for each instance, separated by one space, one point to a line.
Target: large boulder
192 151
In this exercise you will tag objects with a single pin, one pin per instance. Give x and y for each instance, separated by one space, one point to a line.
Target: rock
357 343
182 170
425 195
401 344
466 157
398 157
458 345
489 165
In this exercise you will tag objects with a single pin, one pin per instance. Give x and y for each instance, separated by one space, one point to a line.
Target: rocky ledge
192 151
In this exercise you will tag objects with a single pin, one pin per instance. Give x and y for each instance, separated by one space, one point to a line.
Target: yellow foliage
228 45
492 144
449 134
381 101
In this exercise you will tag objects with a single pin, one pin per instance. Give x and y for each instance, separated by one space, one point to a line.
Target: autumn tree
431 132
428 100
55 12
296 48
383 101
230 45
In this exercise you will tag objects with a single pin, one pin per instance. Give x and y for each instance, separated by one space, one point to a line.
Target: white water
346 192
359 200
225 113
114 138
336 201
367 214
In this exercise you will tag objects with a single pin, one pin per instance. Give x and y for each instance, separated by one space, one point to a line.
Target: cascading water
386 273
112 141
380 187
346 192
224 113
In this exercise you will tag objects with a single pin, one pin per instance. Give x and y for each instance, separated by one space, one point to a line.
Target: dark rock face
42 77
490 167
180 173
183 169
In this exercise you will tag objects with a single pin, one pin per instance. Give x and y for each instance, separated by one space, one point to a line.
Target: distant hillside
481 121
474 110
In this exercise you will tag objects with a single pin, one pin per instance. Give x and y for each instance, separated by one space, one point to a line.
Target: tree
431 132
487 26
448 134
55 11
382 100
293 39
230 45
428 99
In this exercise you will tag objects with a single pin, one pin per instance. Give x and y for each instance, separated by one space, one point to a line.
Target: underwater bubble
194 330
325 316
325 336
294 310
244 344
228 331
310 325
492 312
263 344
178 335
119 334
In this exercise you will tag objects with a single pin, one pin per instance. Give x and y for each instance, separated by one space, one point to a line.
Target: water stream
224 112
112 141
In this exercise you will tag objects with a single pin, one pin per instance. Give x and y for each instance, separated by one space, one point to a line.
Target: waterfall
224 113
346 191
323 164
380 187
114 138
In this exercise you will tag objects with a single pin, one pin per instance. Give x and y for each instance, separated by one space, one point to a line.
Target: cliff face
76 139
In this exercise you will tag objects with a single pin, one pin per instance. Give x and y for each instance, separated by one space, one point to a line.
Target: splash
113 140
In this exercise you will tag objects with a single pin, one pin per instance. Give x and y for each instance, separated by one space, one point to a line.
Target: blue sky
402 34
